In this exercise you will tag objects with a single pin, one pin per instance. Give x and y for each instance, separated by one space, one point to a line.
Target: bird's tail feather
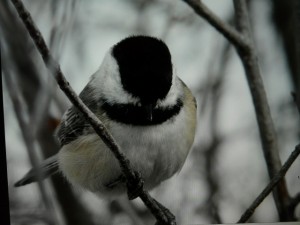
46 168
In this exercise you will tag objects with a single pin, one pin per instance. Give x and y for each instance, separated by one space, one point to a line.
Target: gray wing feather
73 123
47 168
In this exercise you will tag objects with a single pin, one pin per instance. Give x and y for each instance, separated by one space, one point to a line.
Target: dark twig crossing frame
242 39
276 179
263 115
163 215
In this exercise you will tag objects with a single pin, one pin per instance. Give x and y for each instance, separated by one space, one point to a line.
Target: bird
145 106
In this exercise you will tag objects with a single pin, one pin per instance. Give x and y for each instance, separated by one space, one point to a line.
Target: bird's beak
149 111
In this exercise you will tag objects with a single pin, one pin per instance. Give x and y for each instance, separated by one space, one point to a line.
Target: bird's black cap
145 67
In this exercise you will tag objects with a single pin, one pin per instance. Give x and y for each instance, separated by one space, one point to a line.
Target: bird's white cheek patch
173 94
107 82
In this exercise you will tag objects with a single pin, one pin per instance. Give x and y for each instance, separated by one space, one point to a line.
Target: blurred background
226 169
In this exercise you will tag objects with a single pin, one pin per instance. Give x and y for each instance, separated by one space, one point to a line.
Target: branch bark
242 39
276 179
214 91
263 115
21 60
232 35
19 108
133 180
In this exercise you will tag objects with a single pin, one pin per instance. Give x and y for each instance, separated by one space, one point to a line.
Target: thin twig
244 44
41 106
212 149
276 179
296 20
57 39
296 28
263 114
97 125
28 80
229 32
294 202
53 66
296 99
19 109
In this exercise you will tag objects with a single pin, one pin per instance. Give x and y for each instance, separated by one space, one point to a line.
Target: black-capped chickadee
149 111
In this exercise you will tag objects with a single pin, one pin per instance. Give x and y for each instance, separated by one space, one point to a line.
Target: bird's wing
72 126
46 168
73 123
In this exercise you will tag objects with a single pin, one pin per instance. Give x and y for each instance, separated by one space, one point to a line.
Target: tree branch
19 108
294 202
296 99
229 32
263 114
98 126
211 150
243 42
24 67
276 179
296 20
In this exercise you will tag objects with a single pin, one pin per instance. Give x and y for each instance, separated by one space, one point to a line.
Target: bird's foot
135 186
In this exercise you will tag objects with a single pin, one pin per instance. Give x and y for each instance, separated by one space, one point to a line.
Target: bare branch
241 18
294 202
19 109
25 68
41 106
276 179
212 149
296 99
161 213
244 44
229 32
296 20
263 114
54 67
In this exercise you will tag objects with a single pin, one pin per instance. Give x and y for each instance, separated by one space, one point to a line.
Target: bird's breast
157 152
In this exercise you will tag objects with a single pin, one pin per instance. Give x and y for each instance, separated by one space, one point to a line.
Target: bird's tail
46 168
